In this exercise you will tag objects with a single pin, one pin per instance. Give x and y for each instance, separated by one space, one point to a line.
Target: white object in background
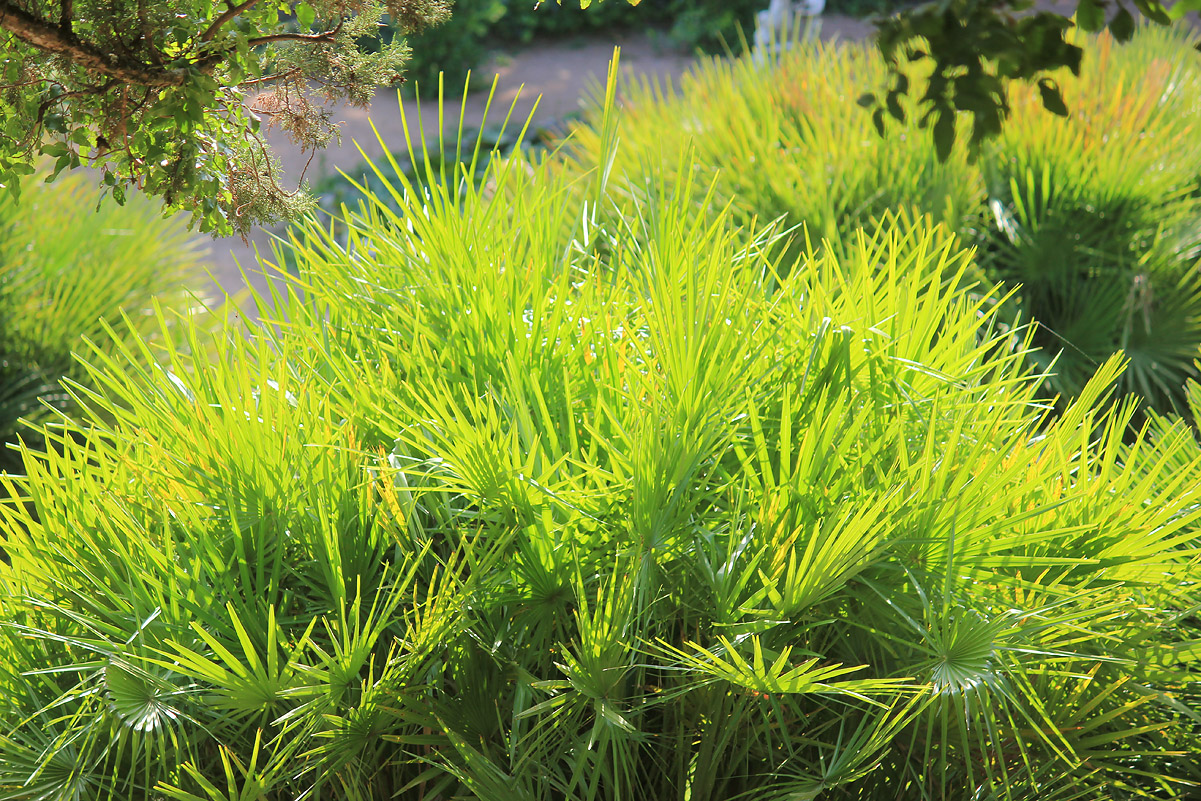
771 24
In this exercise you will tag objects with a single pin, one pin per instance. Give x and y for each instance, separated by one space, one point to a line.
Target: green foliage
975 49
363 182
781 141
713 26
866 8
542 488
1090 222
524 21
62 281
170 97
455 48
1098 221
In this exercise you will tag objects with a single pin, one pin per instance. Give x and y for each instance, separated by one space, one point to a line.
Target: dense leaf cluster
171 96
973 49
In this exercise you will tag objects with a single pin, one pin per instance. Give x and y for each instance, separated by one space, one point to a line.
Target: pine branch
62 41
324 36
230 12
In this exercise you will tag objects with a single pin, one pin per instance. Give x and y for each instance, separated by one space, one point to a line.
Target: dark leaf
968 97
1154 10
1052 99
894 107
944 134
1072 57
1090 15
1122 25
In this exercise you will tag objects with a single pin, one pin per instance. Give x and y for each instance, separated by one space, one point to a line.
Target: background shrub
786 141
1097 217
456 47
62 282
478 26
524 21
1092 222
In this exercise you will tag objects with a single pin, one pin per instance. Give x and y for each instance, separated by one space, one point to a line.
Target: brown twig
324 36
230 12
46 105
282 76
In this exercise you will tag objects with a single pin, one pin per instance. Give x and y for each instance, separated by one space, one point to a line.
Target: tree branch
49 103
230 12
279 76
324 36
55 39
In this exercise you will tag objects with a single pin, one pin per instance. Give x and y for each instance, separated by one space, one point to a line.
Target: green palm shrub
60 281
1097 218
533 488
1092 220
786 139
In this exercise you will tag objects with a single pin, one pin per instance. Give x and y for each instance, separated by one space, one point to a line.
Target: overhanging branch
62 41
325 37
229 13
